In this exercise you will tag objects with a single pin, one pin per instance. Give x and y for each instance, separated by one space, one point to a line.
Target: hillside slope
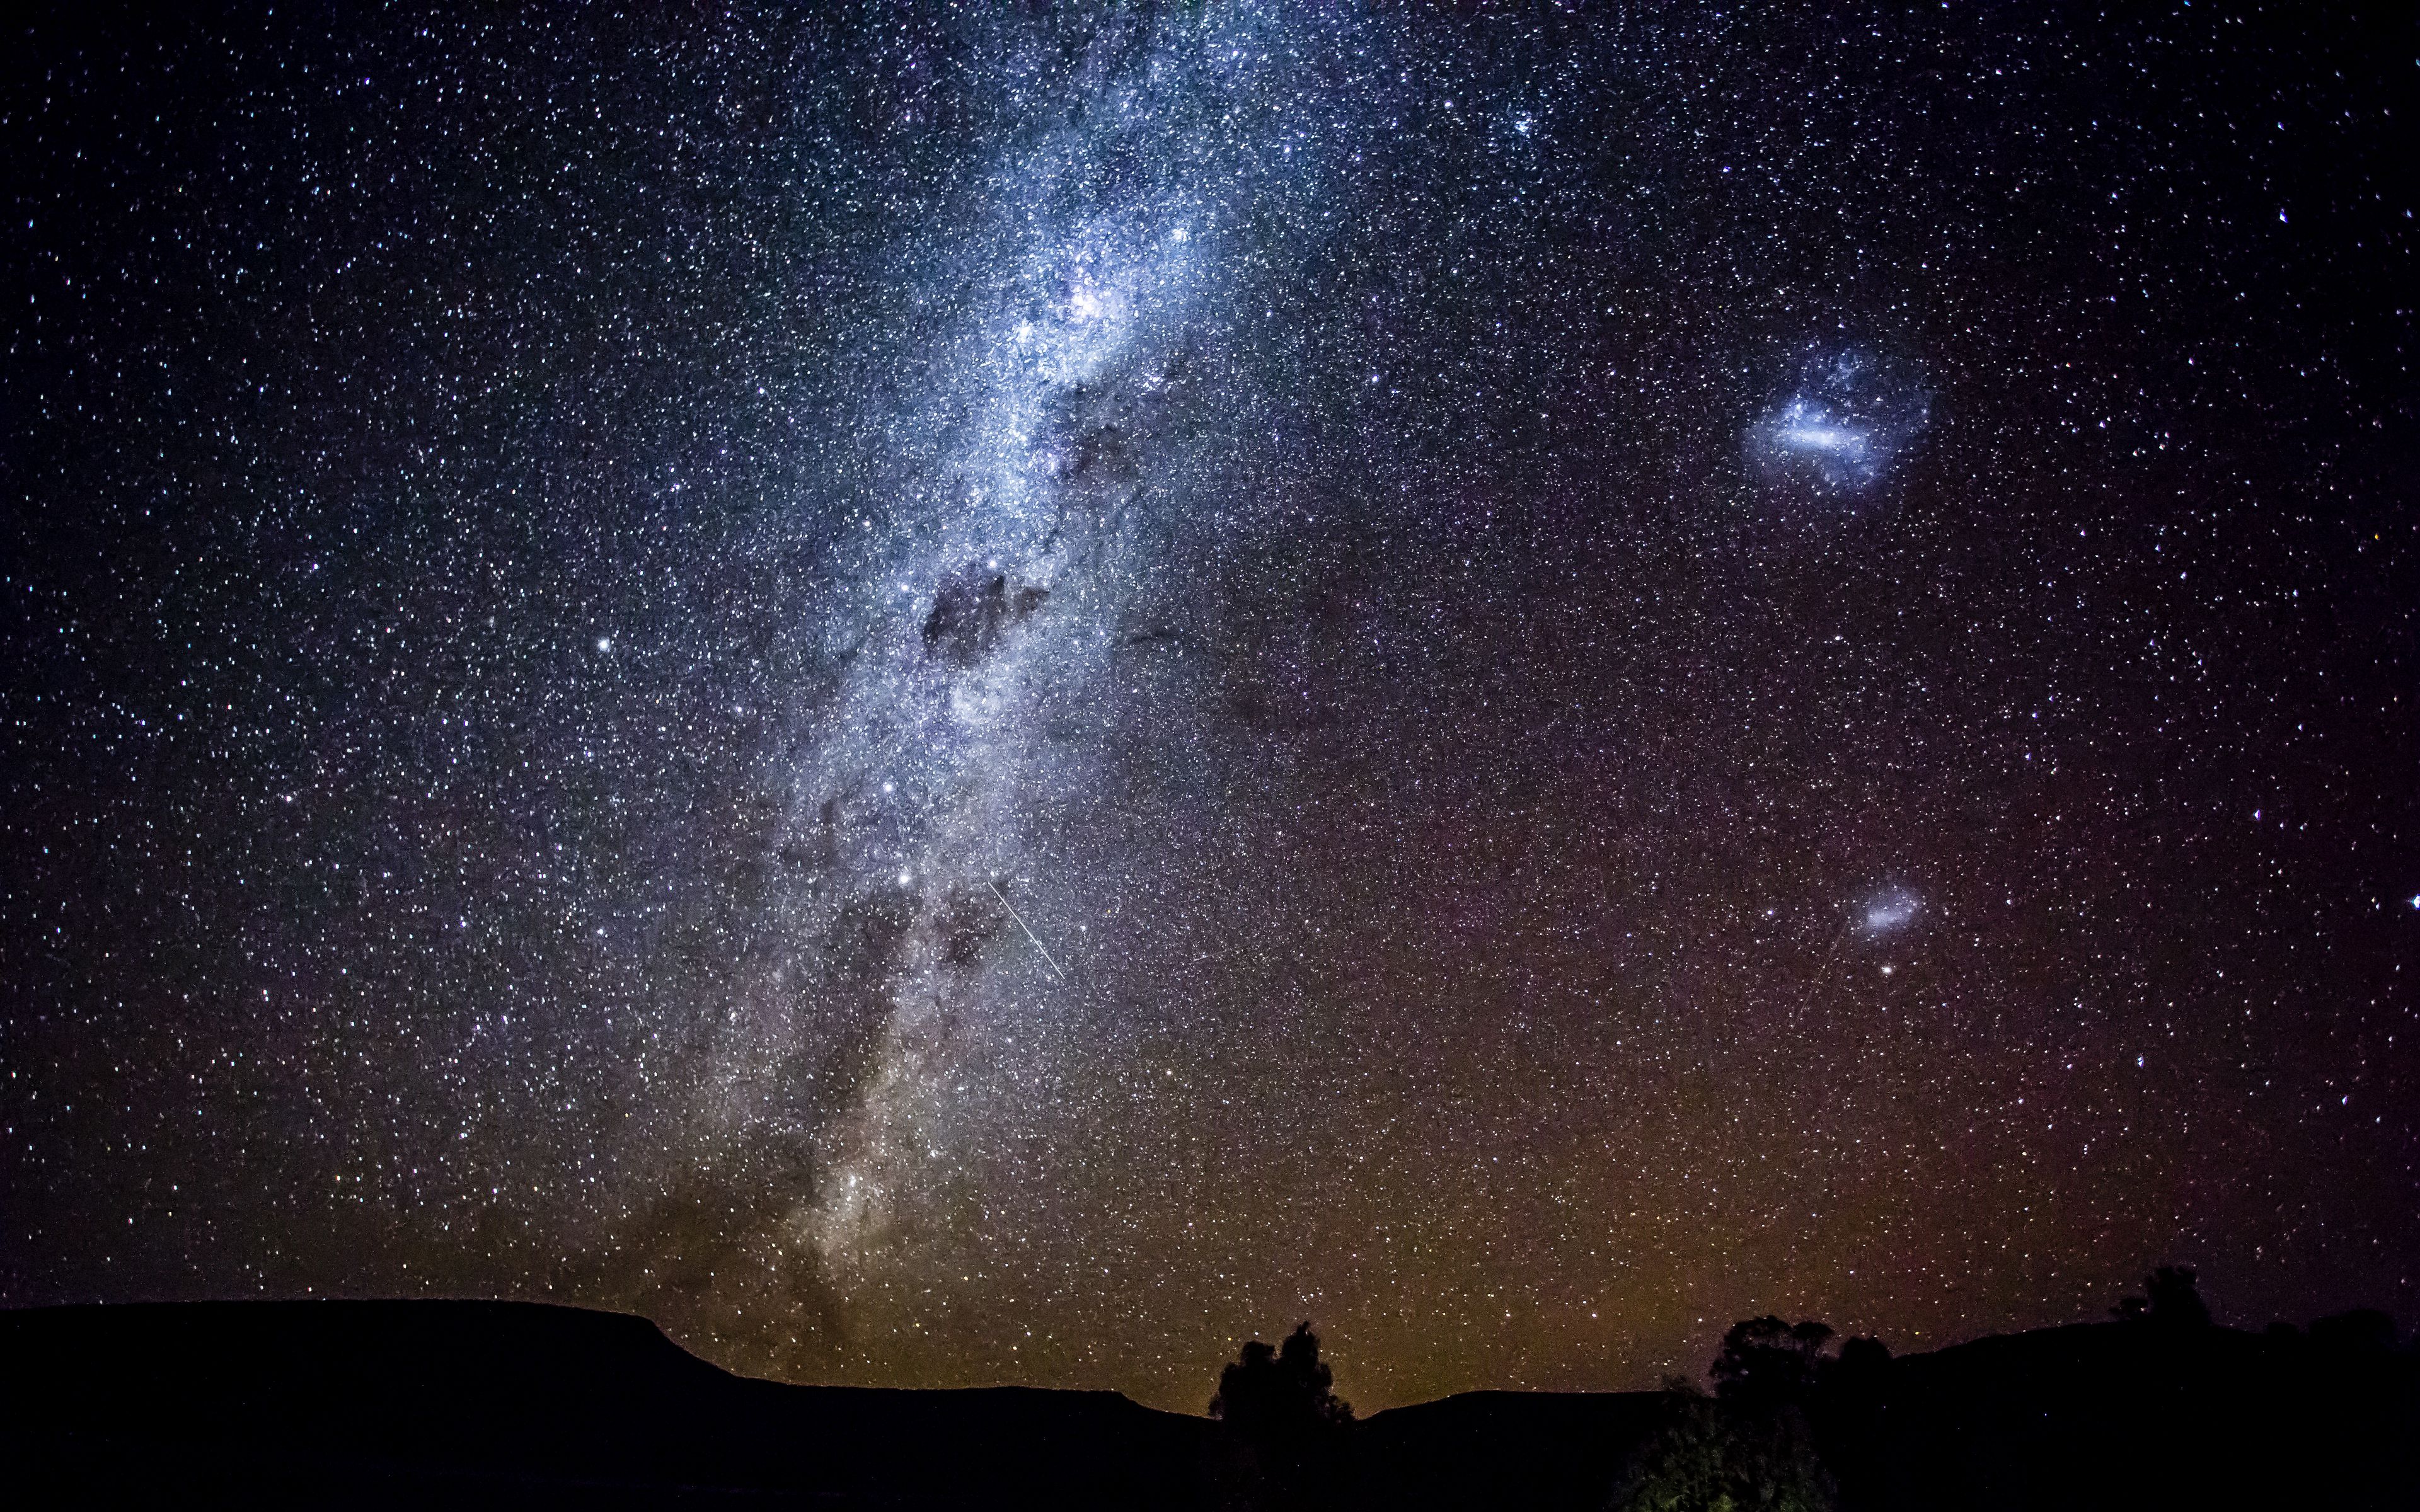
488 1403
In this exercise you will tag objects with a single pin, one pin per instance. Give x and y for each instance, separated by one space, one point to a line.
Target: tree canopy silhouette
1285 1440
1766 1361
2170 1299
1280 1392
1791 1424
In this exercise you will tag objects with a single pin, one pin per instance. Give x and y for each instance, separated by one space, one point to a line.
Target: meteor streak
1028 928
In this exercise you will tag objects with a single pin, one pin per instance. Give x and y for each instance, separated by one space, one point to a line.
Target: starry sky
1003 694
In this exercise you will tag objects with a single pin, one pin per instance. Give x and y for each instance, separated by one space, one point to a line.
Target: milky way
1002 697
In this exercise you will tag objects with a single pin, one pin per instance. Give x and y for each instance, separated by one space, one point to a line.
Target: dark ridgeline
470 1404
487 1404
2136 1414
2161 1408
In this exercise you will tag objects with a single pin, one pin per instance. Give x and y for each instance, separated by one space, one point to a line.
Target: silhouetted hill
488 1404
2138 1415
1502 1448
2130 1416
476 1403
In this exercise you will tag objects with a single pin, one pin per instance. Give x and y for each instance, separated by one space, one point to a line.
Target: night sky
1002 695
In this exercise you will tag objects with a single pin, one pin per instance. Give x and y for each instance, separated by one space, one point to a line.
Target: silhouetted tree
1848 1415
1793 1423
1766 1361
2170 1299
1861 1360
1284 1425
1725 1455
1280 1392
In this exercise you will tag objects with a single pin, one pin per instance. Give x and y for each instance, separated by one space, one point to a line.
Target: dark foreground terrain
493 1404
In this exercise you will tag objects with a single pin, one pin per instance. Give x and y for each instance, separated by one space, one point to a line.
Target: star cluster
1001 696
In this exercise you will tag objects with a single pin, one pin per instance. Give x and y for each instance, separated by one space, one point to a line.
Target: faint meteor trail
1028 928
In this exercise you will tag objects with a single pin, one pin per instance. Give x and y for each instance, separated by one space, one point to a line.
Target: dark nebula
1005 695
